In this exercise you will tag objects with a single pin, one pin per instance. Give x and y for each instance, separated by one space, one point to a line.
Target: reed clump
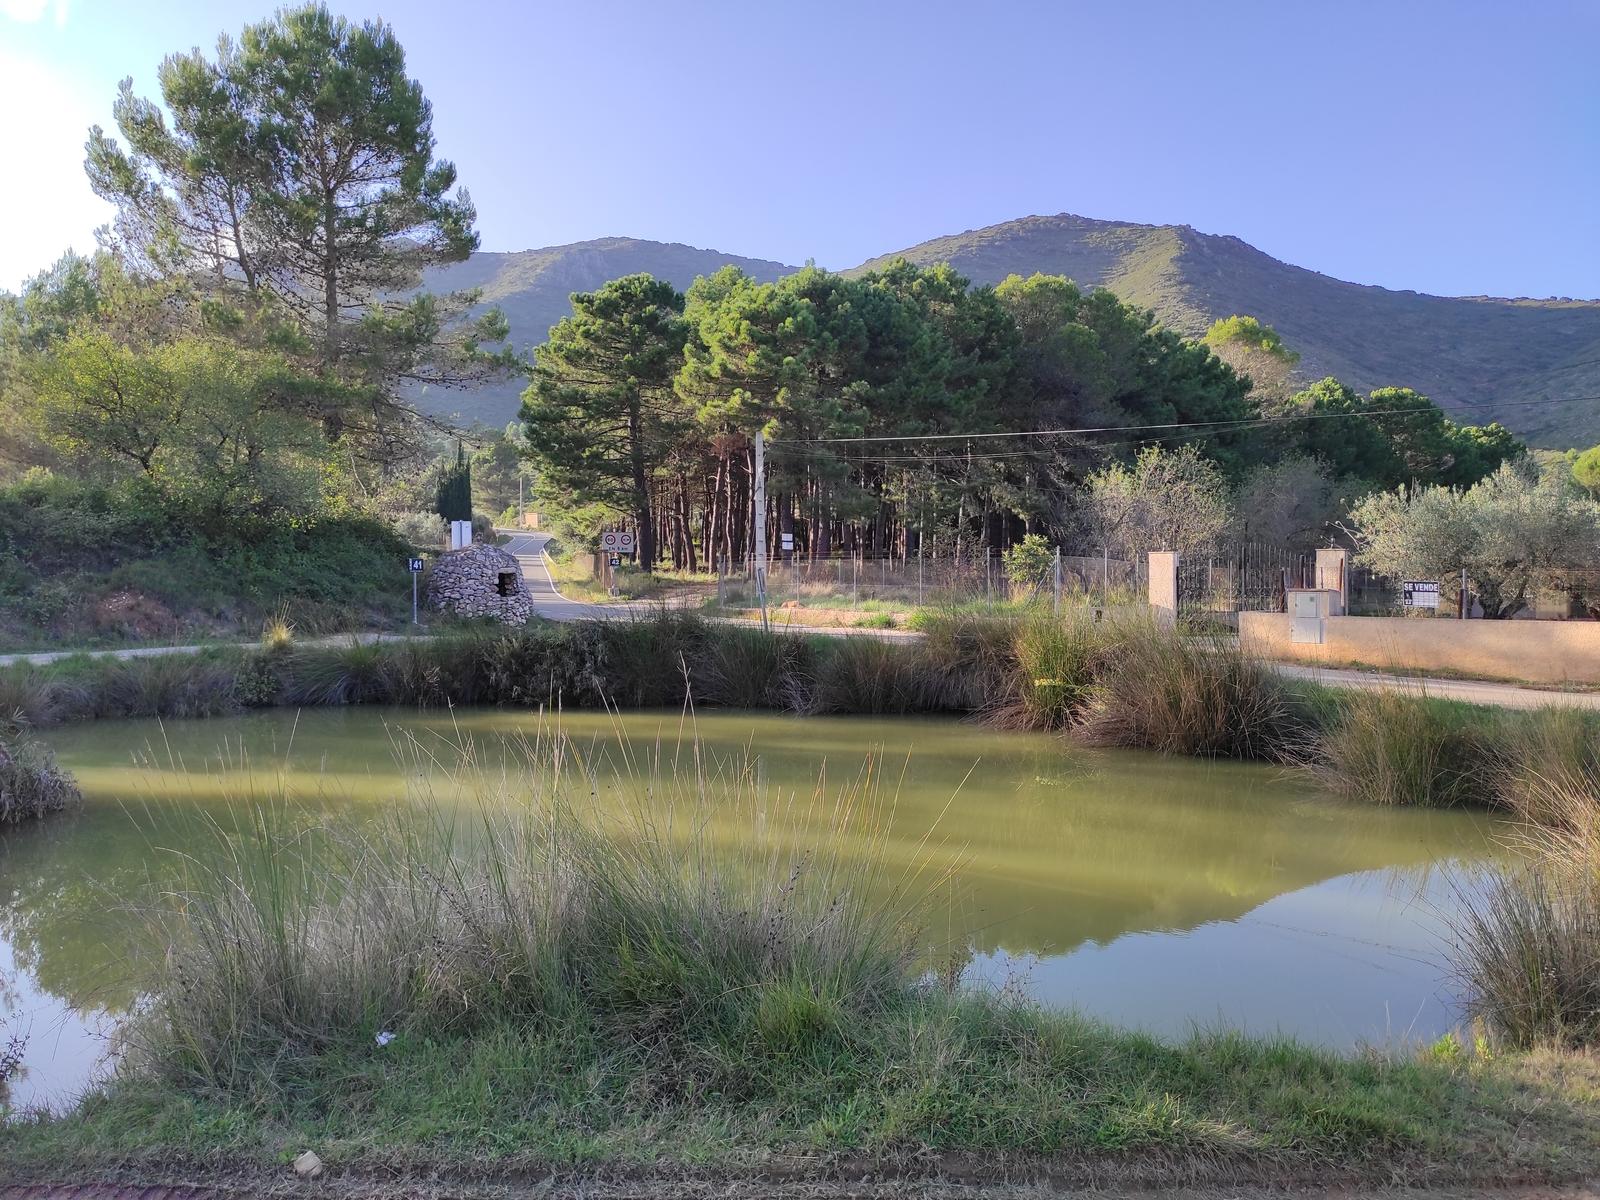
1391 746
1183 693
32 784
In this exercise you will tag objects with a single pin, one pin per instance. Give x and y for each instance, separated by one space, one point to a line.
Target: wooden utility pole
760 506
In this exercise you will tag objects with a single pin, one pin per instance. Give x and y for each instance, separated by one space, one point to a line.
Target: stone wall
468 583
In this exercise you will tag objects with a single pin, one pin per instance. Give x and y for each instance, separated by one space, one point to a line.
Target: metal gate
1246 577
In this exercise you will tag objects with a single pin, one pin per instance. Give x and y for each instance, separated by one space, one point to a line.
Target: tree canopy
290 181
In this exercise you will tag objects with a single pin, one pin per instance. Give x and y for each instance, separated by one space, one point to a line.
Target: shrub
420 530
1030 563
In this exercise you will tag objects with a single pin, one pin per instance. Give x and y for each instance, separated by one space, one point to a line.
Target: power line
1225 425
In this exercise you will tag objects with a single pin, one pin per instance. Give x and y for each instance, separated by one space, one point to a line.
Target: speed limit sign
616 542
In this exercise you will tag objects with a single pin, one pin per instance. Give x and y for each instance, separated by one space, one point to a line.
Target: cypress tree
454 497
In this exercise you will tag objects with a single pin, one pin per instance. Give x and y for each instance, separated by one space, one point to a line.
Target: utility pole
760 523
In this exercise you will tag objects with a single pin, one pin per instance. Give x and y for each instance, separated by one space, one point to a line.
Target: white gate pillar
1163 586
1333 575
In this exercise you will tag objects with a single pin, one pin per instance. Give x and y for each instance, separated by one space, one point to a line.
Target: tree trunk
642 513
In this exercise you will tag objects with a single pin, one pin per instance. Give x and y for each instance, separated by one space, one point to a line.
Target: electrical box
1309 609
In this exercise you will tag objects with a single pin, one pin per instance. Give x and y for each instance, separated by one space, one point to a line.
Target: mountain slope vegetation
532 288
1480 357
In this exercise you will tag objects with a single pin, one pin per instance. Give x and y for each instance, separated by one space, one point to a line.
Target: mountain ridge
1481 357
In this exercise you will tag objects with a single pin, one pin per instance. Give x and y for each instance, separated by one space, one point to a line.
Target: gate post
1333 575
1163 587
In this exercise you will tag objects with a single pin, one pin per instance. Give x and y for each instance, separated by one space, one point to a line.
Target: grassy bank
1125 682
501 996
104 566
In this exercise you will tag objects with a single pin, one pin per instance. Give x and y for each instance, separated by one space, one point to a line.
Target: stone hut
480 581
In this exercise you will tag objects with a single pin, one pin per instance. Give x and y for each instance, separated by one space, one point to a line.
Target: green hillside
531 287
1472 351
1482 358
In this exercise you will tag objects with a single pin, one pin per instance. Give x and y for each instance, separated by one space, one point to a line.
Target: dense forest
906 409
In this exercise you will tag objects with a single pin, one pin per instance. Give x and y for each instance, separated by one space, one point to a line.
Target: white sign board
615 542
788 541
1419 593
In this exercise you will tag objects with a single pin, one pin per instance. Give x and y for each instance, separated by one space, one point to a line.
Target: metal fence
851 581
1246 577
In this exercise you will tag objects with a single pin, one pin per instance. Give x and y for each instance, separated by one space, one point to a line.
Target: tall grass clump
355 673
1391 746
969 656
39 696
864 674
1059 660
166 685
288 942
748 668
1181 693
1528 942
1546 768
31 783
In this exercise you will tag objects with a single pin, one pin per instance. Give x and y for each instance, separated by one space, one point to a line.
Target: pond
1160 893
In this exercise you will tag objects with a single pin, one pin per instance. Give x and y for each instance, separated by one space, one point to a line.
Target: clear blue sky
1449 146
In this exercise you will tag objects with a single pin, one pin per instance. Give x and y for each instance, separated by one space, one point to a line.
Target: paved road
528 547
1473 691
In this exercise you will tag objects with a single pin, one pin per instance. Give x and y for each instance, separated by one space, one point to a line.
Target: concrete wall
1537 651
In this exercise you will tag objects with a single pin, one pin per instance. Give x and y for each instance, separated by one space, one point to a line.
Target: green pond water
1160 893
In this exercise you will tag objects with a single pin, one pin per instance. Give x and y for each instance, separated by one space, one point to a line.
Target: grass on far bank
82 566
561 992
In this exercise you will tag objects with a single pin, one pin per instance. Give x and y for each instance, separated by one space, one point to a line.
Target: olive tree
1167 500
1514 532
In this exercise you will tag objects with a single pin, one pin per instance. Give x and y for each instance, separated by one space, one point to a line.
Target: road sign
414 564
1419 593
787 541
616 560
616 542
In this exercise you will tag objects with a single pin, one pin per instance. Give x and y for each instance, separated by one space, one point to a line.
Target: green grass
567 994
88 566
